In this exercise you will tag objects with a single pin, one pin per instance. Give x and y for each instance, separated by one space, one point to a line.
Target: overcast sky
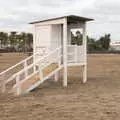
16 14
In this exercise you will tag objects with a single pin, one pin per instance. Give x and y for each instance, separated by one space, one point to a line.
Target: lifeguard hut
54 33
51 45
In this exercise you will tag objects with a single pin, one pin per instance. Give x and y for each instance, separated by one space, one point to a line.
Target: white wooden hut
51 45
53 33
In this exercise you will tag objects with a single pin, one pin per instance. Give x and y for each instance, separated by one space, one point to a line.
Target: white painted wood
40 74
59 61
24 80
65 52
76 54
84 73
26 71
34 46
76 64
18 85
40 68
43 40
16 65
52 61
57 76
52 22
45 78
48 36
85 54
19 73
55 36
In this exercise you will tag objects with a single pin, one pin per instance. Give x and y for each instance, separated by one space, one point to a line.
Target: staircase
30 72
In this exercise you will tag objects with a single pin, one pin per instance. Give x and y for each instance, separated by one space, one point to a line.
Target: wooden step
34 79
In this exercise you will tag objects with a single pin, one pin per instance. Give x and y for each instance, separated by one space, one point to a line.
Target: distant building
115 45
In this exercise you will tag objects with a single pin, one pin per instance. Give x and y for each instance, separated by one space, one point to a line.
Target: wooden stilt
85 54
57 76
84 73
65 52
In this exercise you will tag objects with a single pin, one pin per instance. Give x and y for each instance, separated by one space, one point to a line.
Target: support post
26 71
76 60
85 54
34 47
18 85
40 74
57 76
65 52
84 73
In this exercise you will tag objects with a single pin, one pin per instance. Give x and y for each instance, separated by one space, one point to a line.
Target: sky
16 14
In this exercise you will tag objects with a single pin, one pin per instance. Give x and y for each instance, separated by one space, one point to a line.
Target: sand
98 99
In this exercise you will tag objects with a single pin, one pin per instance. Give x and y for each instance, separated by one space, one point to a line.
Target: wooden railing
24 70
29 69
75 55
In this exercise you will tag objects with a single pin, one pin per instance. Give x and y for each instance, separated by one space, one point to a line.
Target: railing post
26 71
34 67
85 54
18 85
40 74
65 52
84 73
75 47
57 74
59 62
59 56
34 48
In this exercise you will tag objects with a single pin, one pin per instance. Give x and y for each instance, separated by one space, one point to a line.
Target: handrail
35 72
18 63
20 72
46 60
27 78
39 82
51 62
50 53
28 67
28 59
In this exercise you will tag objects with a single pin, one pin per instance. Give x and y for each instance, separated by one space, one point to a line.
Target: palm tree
3 39
12 38
23 38
29 40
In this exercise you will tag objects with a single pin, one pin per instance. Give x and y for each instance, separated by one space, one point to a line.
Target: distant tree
3 39
29 40
104 42
12 39
91 44
24 41
19 42
16 42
